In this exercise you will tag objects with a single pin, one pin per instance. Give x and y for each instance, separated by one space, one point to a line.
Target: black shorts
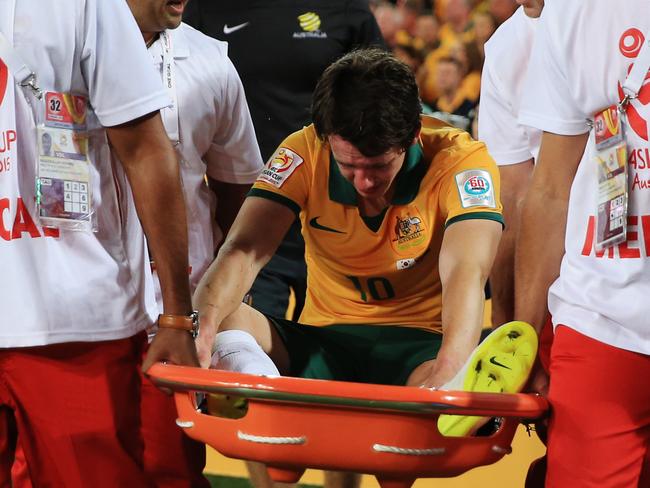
381 354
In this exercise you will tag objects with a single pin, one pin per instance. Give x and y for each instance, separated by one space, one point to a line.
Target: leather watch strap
182 322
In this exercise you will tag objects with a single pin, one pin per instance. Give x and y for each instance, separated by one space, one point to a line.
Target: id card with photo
610 158
63 185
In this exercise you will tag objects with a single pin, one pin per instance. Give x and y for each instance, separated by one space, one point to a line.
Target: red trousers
599 432
75 409
171 458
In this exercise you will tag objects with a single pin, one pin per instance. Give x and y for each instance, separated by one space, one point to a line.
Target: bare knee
247 319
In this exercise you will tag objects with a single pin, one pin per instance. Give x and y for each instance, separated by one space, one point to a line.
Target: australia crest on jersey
409 232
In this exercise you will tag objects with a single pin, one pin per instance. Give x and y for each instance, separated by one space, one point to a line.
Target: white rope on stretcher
270 440
435 451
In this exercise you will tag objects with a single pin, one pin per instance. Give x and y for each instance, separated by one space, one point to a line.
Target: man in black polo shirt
280 48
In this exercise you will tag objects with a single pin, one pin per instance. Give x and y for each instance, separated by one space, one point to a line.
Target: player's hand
439 376
172 346
434 373
205 343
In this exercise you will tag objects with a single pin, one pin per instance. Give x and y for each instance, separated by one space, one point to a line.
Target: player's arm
540 247
230 197
152 169
255 235
466 256
515 180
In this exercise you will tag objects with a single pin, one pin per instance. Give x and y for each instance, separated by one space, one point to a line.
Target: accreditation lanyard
610 156
170 114
23 75
634 81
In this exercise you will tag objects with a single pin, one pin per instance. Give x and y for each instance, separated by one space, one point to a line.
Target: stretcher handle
346 394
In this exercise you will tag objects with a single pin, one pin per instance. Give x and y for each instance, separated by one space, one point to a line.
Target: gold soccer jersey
388 276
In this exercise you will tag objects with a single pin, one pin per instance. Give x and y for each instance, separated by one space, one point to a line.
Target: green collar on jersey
407 181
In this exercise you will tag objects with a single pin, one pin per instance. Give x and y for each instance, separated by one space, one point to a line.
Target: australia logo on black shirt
310 25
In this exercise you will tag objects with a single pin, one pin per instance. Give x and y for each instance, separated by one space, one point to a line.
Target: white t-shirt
506 60
75 286
216 132
580 59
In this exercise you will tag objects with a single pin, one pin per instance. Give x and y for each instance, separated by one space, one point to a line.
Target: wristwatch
189 322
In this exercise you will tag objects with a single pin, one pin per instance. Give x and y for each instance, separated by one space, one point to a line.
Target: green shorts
381 354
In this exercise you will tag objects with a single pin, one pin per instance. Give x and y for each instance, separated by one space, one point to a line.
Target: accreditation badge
63 173
610 158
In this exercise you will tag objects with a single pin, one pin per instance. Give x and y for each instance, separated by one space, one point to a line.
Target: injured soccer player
401 218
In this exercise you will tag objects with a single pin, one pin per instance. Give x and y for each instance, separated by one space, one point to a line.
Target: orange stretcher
291 424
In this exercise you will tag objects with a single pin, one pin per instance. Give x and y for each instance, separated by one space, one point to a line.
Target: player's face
155 16
532 8
371 177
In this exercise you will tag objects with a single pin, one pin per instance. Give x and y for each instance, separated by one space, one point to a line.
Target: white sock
236 350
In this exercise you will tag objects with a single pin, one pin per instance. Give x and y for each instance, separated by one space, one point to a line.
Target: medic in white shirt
75 302
582 253
210 127
513 146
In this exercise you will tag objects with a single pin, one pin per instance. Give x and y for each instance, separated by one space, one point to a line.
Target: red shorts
73 407
171 458
599 432
545 344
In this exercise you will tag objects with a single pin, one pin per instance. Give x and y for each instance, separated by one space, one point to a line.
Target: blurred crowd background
443 43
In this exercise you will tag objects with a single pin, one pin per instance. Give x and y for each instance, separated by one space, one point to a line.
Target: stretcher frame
387 431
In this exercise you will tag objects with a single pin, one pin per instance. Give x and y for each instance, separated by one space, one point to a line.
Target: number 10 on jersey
377 287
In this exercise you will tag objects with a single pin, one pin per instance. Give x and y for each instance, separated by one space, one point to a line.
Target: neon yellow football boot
500 364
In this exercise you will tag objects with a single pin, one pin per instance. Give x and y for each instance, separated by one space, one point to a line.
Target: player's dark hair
370 99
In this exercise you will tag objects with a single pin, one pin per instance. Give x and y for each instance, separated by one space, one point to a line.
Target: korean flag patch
475 189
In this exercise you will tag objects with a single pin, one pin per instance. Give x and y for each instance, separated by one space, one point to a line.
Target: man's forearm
224 285
152 169
253 238
466 257
538 256
159 199
515 179
463 301
540 245
502 276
